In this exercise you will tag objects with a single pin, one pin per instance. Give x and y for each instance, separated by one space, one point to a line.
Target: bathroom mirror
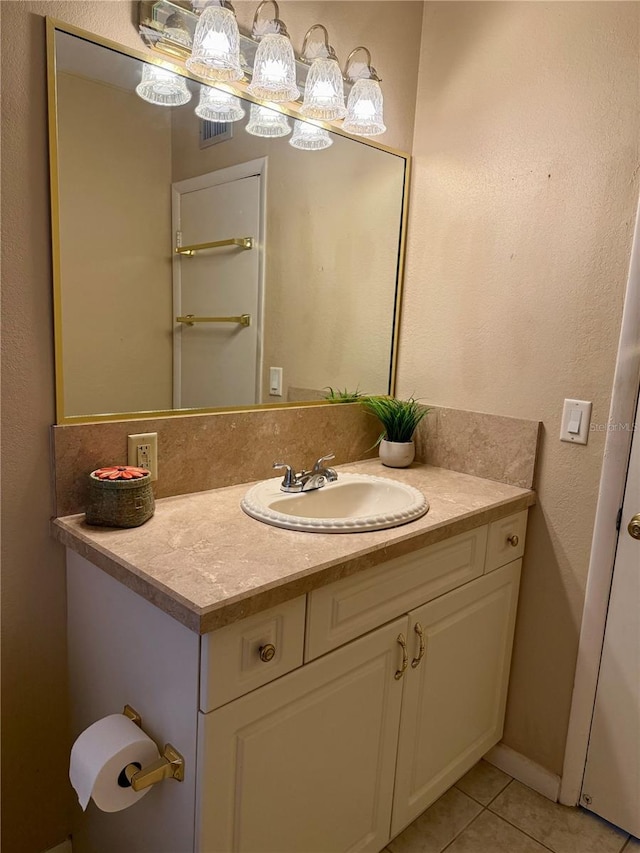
293 288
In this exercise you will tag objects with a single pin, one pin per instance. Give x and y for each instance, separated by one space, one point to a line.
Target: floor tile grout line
448 845
517 828
486 805
546 846
524 832
493 799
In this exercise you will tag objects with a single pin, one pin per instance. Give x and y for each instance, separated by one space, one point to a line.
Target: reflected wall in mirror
310 286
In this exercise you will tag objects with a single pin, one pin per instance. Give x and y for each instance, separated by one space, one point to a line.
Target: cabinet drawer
506 540
341 611
231 663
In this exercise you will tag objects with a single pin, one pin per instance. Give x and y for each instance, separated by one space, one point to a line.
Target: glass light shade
309 137
159 86
324 91
364 109
216 105
274 70
266 122
216 46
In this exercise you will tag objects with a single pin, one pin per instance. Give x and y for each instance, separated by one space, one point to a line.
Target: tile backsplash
208 451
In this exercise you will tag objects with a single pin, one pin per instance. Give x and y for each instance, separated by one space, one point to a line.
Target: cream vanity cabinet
403 690
328 723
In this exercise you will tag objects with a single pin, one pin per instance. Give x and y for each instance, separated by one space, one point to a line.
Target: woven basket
119 503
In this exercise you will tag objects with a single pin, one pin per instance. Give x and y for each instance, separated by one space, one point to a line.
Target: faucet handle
319 466
289 475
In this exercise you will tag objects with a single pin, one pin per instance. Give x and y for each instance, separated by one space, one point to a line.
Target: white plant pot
397 454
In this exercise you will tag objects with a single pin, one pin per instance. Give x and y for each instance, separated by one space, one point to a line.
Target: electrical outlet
143 452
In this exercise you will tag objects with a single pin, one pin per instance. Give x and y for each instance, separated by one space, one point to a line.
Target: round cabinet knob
513 540
267 652
634 526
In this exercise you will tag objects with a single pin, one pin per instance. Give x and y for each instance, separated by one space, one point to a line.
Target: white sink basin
354 503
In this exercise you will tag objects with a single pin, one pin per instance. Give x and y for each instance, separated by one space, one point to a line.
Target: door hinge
178 239
619 519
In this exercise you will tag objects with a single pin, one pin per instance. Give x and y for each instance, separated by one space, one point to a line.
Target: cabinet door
454 698
306 764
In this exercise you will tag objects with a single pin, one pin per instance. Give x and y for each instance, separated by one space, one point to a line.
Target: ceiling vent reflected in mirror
214 132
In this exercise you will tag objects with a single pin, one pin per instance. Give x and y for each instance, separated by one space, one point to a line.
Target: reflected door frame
252 168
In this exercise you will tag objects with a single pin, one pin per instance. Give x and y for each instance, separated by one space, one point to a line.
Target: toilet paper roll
99 756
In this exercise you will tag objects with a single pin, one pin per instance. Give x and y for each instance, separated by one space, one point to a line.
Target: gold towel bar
242 242
190 319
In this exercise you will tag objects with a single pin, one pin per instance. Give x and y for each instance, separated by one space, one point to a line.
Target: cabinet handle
267 652
513 540
405 658
418 629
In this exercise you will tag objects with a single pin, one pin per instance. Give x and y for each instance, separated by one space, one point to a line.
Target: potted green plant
399 419
339 395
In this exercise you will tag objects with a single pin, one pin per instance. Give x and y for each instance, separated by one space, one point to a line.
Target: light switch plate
275 381
576 419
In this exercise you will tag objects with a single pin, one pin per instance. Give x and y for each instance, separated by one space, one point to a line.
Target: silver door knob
634 526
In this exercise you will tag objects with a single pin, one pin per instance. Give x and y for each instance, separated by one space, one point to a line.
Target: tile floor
489 812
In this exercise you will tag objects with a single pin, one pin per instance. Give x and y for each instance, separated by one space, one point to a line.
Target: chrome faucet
306 481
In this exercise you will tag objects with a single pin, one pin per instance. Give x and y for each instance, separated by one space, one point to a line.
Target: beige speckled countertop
207 564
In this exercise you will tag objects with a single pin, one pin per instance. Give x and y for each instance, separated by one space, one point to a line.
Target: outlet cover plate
140 440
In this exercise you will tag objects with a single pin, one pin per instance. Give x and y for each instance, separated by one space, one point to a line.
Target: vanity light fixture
176 29
216 45
365 105
324 88
309 137
162 87
266 122
222 54
274 66
218 105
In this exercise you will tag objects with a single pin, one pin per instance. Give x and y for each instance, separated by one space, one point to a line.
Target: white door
305 764
611 785
217 362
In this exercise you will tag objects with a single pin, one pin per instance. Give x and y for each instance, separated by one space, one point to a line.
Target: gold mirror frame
52 26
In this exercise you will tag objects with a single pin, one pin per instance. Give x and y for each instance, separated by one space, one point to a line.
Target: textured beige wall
525 187
114 156
331 255
34 716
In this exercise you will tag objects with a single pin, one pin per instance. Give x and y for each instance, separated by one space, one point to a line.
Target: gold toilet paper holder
170 765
